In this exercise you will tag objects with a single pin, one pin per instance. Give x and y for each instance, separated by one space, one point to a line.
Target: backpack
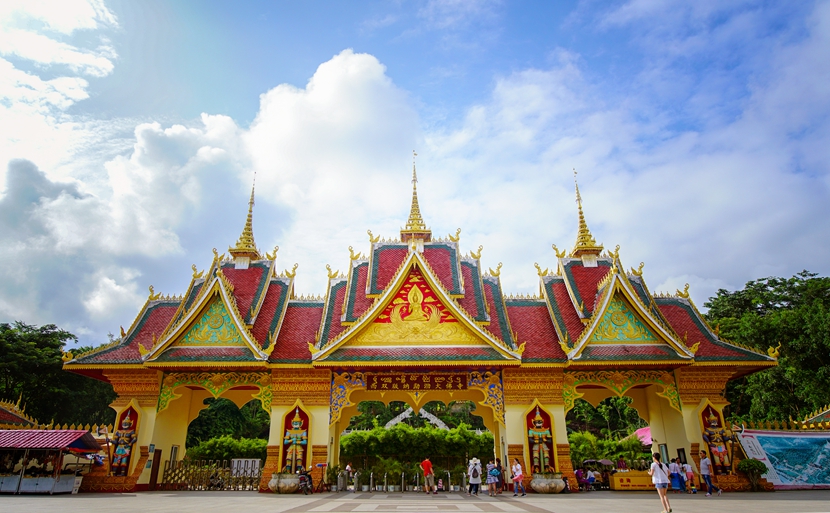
494 472
475 473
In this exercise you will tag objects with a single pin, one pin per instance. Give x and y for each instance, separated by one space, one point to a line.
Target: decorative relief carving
490 384
619 382
139 384
696 384
619 324
312 386
522 386
216 383
342 386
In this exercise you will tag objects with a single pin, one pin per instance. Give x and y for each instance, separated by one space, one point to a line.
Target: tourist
500 484
621 464
690 478
492 478
429 476
591 477
677 484
517 478
660 477
474 473
706 474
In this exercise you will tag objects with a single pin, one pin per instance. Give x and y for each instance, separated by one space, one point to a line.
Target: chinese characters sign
422 382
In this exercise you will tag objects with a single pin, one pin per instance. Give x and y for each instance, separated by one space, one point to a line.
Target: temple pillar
524 388
311 390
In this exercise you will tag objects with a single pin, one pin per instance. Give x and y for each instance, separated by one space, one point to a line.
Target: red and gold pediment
415 313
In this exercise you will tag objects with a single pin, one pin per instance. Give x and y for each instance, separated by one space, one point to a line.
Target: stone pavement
813 501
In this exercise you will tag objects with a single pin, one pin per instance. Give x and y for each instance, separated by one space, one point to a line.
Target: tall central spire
585 242
415 227
245 246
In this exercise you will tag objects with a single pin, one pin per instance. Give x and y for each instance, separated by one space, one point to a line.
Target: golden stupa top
246 246
585 242
415 226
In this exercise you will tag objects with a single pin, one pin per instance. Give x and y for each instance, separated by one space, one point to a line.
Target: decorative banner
384 382
794 460
295 440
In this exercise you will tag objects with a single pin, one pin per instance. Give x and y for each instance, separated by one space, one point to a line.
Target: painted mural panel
795 460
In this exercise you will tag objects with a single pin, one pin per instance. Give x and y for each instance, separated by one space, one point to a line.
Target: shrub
753 470
227 448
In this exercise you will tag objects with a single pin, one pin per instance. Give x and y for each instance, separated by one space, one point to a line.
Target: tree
31 368
613 417
223 419
795 313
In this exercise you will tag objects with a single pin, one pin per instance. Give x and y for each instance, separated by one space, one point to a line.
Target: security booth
44 461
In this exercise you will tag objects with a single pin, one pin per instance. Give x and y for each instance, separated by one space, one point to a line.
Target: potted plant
753 470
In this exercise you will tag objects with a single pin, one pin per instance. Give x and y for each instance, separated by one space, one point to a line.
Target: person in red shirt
429 477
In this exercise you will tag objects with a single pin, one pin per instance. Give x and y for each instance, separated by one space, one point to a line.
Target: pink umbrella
644 434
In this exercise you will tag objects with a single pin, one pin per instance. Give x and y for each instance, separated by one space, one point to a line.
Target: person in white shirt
706 474
690 477
659 473
677 478
518 477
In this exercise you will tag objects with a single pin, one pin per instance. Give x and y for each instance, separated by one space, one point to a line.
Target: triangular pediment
415 317
623 328
212 330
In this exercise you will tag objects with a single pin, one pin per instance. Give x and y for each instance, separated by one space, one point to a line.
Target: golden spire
415 227
585 242
245 246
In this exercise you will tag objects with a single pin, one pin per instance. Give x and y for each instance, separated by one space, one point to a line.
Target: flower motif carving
620 382
216 383
342 386
491 385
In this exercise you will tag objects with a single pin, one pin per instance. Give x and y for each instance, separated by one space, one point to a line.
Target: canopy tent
73 440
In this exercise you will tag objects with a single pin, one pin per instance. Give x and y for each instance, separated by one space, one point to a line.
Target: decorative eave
414 258
220 286
609 286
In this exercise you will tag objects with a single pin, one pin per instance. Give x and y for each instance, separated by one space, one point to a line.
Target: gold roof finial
246 246
585 242
415 227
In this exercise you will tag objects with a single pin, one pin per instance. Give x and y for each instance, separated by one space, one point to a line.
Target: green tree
31 368
613 417
795 313
223 418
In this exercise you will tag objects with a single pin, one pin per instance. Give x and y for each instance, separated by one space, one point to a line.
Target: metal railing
211 475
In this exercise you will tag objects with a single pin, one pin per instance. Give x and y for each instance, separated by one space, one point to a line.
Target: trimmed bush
753 469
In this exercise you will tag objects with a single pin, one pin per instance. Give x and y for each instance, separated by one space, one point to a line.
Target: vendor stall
43 461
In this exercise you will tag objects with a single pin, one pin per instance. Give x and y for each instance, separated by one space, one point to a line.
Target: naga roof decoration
417 301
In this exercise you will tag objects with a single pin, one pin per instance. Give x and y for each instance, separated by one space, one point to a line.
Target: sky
131 132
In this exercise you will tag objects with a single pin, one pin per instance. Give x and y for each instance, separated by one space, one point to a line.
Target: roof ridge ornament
415 227
585 242
245 246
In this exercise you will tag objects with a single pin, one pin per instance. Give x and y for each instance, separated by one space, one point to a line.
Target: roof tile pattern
685 322
531 322
498 326
583 280
152 320
269 316
48 439
212 354
386 260
334 306
248 285
629 352
563 309
357 302
473 300
8 417
301 322
443 259
414 354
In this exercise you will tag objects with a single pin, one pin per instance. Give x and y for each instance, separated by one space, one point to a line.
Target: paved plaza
623 502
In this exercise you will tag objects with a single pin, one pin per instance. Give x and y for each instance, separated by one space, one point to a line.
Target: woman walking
660 477
517 478
492 478
474 473
500 484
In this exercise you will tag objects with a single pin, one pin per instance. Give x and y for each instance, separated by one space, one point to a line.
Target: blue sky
130 132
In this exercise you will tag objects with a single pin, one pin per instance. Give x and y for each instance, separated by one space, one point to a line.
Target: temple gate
414 320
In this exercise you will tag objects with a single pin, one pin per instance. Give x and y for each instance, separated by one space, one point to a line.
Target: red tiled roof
301 322
389 259
573 324
684 325
495 326
532 325
440 260
265 321
335 326
635 351
7 417
154 320
468 302
360 302
586 280
245 285
73 439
